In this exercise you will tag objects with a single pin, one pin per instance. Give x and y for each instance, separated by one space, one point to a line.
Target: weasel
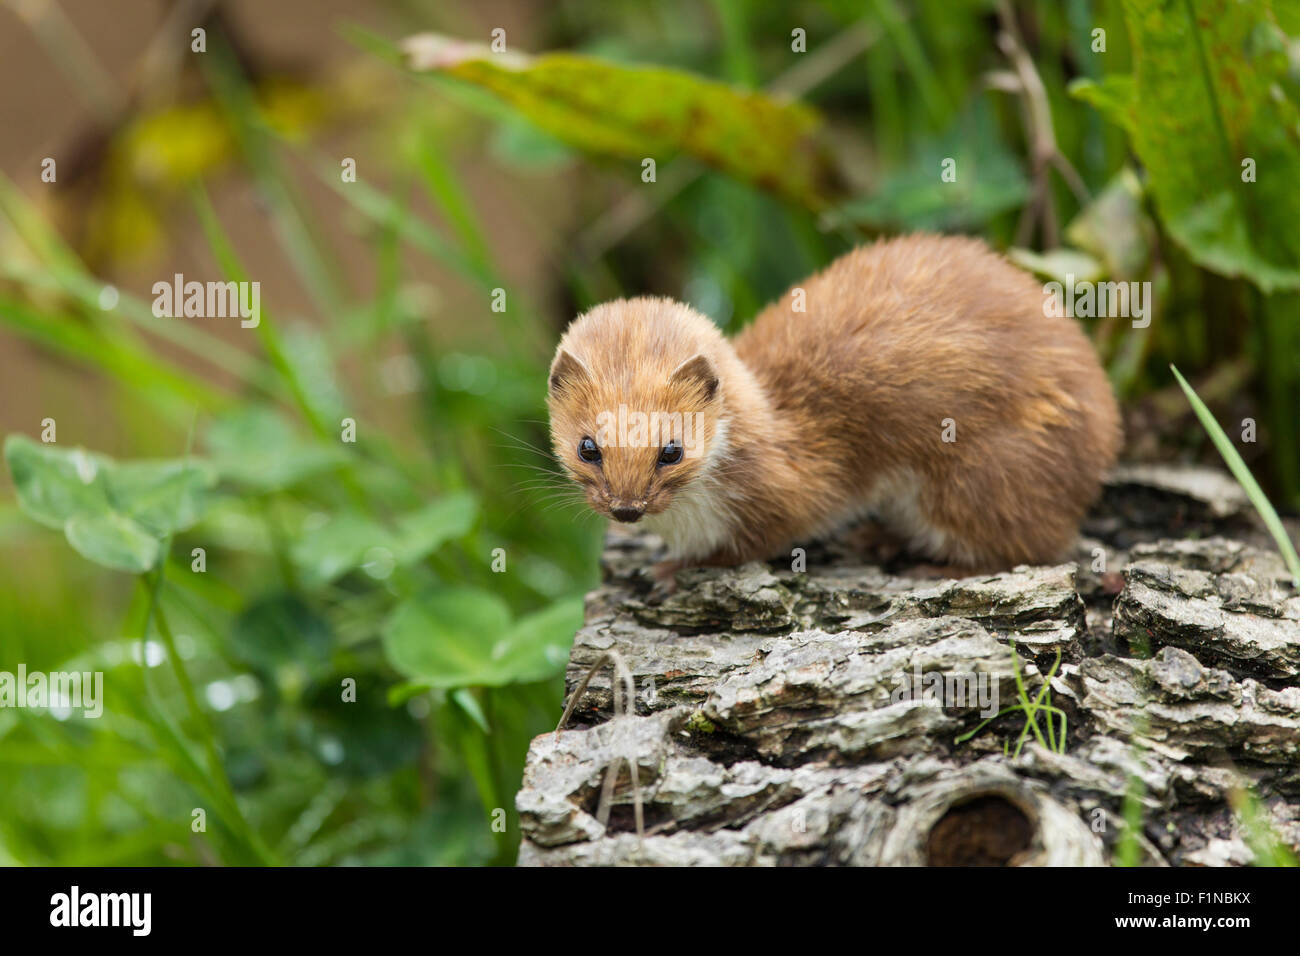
923 382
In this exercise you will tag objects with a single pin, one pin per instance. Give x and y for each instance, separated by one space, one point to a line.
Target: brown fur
827 412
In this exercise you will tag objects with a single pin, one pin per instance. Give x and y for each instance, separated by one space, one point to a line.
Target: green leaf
1058 264
113 540
633 112
1244 478
363 737
537 647
259 449
346 540
338 546
445 639
1115 229
307 355
467 702
421 532
464 638
53 485
1113 97
113 514
164 496
281 631
1207 94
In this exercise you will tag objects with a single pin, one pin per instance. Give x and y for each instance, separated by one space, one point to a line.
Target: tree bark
817 717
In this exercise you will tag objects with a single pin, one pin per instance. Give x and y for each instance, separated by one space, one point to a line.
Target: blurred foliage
380 626
636 112
1202 102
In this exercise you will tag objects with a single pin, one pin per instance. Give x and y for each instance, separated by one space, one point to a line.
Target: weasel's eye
589 451
671 453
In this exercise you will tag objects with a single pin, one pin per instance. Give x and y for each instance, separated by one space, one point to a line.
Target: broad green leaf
464 638
346 541
537 647
259 449
1207 98
445 639
634 112
53 485
113 540
421 532
338 546
114 514
164 497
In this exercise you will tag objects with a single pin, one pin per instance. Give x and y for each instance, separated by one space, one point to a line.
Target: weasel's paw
874 543
664 578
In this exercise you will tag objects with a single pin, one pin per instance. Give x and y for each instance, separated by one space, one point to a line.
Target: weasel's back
942 324
904 335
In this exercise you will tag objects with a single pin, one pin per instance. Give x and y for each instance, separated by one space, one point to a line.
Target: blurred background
338 650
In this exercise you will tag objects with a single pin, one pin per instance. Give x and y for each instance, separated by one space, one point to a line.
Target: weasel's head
636 403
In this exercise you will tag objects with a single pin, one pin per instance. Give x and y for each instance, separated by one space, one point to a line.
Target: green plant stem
216 773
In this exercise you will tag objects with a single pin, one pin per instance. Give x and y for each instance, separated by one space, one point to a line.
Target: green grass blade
133 367
298 236
1244 478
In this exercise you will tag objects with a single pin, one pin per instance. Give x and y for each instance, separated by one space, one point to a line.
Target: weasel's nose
626 513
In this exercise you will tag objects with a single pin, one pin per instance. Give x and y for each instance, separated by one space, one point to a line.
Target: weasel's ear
698 371
565 370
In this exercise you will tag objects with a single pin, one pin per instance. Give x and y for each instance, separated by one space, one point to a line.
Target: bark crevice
813 717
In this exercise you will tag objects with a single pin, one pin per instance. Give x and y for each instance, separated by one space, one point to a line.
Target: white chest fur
700 519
